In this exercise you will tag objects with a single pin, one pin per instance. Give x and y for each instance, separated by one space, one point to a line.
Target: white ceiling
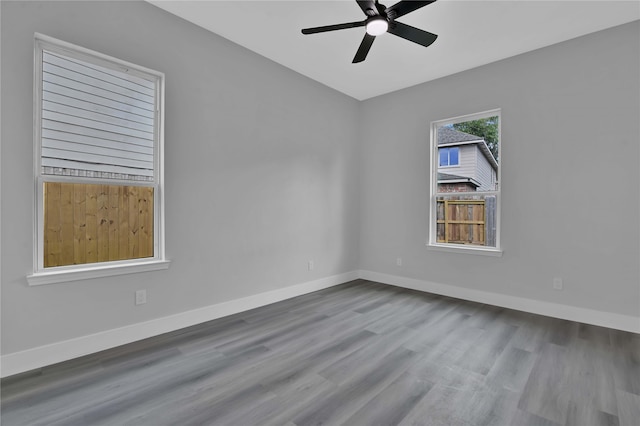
471 33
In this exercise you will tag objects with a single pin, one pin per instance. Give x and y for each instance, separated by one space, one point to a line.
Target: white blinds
96 121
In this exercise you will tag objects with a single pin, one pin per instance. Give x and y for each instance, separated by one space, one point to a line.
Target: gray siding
473 164
485 174
467 167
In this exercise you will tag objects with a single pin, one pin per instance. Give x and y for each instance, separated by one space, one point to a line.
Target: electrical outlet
557 283
141 297
311 265
399 261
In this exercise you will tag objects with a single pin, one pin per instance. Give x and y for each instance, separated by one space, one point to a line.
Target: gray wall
570 135
261 173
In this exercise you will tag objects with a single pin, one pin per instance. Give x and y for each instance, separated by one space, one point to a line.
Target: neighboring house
465 163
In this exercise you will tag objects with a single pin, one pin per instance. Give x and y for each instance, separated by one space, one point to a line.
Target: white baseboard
573 313
41 356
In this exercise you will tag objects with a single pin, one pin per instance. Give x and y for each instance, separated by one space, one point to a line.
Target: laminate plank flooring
361 353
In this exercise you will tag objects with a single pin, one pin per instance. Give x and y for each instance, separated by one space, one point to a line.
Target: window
449 156
98 164
465 200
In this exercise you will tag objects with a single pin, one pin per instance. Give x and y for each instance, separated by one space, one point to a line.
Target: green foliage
486 128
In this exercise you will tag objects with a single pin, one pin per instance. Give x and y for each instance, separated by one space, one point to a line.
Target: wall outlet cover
557 284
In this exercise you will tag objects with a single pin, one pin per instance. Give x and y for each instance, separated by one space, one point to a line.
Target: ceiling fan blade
361 54
413 34
403 7
333 27
368 7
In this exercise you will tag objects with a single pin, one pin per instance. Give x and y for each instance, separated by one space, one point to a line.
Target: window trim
432 243
66 273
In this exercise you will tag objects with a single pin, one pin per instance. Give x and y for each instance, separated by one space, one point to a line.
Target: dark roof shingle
448 135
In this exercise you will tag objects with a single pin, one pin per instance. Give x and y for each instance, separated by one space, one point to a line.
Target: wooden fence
466 221
88 223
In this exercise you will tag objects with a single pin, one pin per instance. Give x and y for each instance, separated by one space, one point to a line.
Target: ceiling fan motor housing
377 25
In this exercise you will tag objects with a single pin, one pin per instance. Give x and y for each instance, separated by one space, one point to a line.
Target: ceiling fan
381 19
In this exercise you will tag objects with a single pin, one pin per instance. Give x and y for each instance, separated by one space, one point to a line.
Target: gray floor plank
532 334
591 382
391 405
588 415
627 361
483 355
361 360
628 407
358 390
545 394
434 408
361 353
523 418
511 370
299 394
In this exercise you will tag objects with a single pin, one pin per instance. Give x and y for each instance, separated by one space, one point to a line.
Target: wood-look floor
358 354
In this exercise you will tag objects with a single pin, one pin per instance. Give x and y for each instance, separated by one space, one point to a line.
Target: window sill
93 271
481 251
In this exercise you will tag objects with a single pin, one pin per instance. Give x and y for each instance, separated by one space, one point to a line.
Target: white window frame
67 273
432 242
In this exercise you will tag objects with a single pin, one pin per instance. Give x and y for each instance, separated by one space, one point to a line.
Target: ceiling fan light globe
375 27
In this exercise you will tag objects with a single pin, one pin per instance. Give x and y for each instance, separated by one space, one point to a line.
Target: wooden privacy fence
88 223
466 221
